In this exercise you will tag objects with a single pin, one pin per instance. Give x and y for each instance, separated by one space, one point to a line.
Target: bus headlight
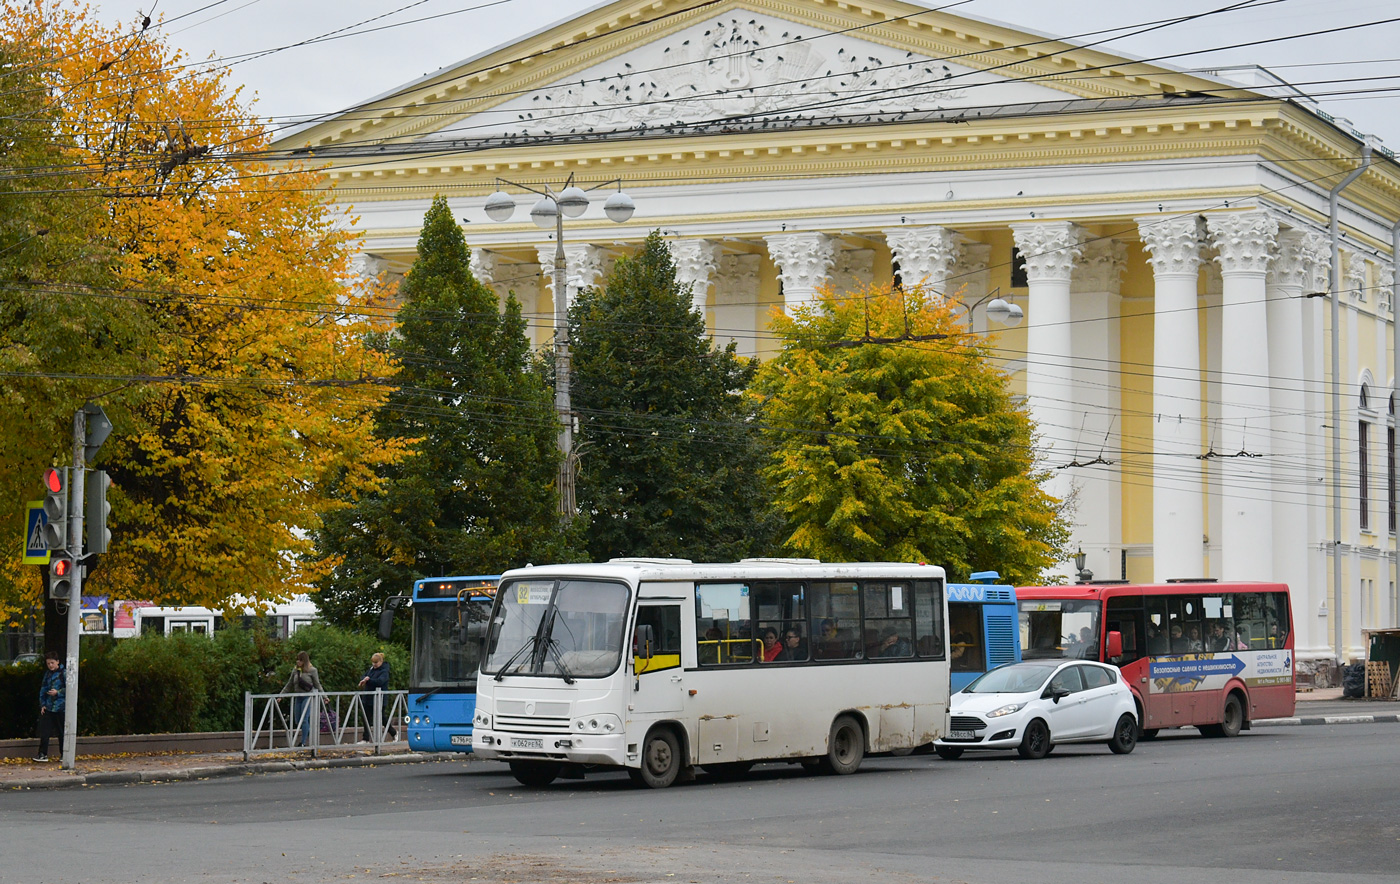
598 724
481 719
416 719
1006 710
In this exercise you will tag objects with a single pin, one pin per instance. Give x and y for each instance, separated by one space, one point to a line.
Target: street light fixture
1083 575
550 210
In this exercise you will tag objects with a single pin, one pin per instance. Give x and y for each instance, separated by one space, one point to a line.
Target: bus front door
659 688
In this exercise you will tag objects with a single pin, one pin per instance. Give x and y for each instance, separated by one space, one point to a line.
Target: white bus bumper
570 748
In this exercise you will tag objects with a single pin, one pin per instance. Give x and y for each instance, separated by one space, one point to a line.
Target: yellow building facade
1165 233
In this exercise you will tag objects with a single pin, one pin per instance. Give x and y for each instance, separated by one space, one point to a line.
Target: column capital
1244 241
1173 244
1049 249
1317 248
1385 284
697 261
923 253
483 265
1354 275
1292 263
368 266
583 263
804 262
1102 266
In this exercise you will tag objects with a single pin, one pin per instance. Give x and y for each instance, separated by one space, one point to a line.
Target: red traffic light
61 567
53 480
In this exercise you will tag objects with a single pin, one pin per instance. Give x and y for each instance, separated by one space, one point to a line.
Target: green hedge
187 683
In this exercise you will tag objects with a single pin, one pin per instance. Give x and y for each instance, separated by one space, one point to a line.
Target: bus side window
1276 608
835 621
928 619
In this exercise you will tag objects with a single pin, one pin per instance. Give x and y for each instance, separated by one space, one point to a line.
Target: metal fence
322 720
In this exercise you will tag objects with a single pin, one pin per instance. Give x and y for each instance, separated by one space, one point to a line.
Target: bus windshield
1059 628
562 628
445 656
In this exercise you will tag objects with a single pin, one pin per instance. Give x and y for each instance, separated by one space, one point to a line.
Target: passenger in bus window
771 646
1156 642
1242 639
1193 639
892 645
794 648
1219 637
1178 639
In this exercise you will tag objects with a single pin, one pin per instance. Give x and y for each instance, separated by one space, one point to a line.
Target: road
1314 804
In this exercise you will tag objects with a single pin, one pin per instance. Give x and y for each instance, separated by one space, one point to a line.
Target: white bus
860 664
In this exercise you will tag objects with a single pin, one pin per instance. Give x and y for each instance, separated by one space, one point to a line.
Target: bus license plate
461 739
518 743
961 735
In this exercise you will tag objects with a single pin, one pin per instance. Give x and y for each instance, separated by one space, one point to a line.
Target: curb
1327 719
127 777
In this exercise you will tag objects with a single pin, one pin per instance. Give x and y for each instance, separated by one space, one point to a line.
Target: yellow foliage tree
226 457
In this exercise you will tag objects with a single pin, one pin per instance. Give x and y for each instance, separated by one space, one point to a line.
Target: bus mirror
642 642
474 631
386 623
1114 648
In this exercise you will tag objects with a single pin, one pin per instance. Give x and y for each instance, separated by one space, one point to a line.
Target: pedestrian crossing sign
36 552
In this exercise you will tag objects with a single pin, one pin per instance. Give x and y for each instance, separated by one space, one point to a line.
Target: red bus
1202 654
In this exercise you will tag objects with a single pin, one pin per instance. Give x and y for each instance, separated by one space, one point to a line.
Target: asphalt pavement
1318 707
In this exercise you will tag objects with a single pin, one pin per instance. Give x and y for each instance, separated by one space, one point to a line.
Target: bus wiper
529 645
553 646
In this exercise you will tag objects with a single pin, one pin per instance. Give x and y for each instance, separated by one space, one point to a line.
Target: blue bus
983 631
449 618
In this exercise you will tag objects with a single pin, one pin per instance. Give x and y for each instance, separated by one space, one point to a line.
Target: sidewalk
1328 706
94 770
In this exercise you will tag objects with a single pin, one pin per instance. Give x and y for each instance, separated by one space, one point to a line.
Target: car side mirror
642 641
1054 694
1115 645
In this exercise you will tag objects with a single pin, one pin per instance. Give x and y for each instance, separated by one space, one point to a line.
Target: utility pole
75 591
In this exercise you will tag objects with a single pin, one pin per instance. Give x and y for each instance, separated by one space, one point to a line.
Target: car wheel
1035 743
661 760
535 773
1124 735
949 753
845 747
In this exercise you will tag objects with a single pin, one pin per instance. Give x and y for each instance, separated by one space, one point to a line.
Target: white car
1032 706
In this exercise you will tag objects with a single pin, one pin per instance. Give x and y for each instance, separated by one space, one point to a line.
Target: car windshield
1059 629
557 627
1018 678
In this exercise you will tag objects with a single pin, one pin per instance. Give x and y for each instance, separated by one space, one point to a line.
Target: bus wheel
845 747
1124 735
1231 720
733 770
661 760
949 753
535 773
1036 741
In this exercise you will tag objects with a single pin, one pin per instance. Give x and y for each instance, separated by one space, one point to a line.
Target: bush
188 682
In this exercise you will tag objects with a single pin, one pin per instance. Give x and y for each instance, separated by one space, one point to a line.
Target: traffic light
61 576
95 519
56 508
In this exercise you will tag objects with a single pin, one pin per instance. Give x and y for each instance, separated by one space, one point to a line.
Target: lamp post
1083 575
549 211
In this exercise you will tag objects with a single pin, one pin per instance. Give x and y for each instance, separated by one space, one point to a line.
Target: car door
1065 718
1098 702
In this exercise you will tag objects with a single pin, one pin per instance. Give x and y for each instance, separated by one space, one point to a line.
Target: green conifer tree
668 463
475 492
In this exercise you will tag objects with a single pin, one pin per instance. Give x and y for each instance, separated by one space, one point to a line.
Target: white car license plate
961 735
518 743
461 739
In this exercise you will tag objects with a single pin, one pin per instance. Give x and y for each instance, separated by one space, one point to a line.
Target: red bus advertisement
1214 656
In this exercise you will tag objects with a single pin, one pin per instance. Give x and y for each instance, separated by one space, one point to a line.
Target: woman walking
304 680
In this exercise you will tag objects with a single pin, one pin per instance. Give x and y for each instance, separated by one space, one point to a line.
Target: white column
924 255
1310 606
1178 518
804 262
1209 303
696 262
1293 494
1245 242
1050 251
736 304
1095 311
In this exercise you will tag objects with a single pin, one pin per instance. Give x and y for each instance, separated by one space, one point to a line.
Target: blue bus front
448 616
982 628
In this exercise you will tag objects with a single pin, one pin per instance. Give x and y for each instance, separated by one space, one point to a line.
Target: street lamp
549 211
1083 575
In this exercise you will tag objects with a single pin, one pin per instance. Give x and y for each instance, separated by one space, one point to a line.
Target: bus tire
661 760
949 753
732 770
1124 738
535 774
1035 743
845 747
1231 720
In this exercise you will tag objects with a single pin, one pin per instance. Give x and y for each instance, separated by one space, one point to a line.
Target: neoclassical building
1165 233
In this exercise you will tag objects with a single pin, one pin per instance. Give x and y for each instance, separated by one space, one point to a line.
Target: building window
1365 398
1363 472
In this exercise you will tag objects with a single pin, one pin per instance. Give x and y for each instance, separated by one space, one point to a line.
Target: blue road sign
1173 667
35 550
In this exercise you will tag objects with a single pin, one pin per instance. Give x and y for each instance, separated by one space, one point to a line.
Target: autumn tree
895 438
476 492
669 462
257 390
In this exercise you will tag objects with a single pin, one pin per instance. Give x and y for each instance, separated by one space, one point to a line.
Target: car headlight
481 719
1006 710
